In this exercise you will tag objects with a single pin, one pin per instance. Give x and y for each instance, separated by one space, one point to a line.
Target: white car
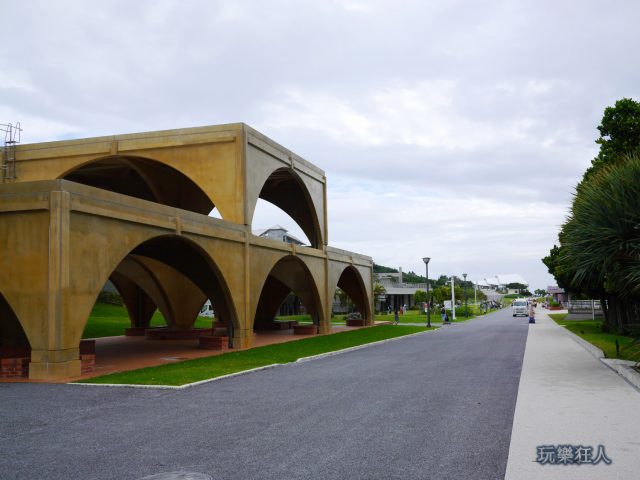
520 307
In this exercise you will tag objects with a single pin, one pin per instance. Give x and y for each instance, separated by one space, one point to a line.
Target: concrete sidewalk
568 397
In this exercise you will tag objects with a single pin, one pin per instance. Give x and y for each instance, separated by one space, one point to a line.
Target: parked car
520 307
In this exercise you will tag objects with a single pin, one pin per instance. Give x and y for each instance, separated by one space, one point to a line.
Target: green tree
563 272
419 297
378 289
540 292
440 294
345 300
517 286
413 277
382 269
619 134
441 281
601 240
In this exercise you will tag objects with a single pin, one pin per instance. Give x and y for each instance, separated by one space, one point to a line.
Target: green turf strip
591 331
199 369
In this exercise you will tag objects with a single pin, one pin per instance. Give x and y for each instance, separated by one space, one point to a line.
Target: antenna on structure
11 139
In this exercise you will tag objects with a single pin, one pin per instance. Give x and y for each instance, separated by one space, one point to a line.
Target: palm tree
601 240
378 289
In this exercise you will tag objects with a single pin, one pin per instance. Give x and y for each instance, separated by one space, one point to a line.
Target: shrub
110 298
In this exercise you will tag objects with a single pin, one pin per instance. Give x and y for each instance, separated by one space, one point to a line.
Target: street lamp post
453 299
475 294
426 264
466 306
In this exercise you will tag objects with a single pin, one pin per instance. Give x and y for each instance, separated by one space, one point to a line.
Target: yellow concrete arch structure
133 208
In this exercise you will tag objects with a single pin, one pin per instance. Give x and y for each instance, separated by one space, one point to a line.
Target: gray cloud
454 127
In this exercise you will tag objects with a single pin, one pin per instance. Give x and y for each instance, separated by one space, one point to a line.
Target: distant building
558 294
500 282
277 232
398 293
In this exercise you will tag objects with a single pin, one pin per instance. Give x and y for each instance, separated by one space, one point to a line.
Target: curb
178 387
624 369
252 370
592 349
358 347
621 367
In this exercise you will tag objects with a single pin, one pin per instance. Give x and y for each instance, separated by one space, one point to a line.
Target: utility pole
466 306
426 263
453 299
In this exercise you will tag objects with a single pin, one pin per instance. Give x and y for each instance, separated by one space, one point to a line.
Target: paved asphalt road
438 406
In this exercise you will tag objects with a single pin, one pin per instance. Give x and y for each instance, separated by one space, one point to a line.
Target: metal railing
11 139
584 306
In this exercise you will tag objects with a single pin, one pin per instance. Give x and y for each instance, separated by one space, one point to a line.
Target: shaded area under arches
146 284
351 283
143 178
193 263
288 275
12 335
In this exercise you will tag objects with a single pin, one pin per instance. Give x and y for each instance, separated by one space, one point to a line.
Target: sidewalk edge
622 369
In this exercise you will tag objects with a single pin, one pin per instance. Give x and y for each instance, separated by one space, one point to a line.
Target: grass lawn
211 367
591 331
108 320
414 317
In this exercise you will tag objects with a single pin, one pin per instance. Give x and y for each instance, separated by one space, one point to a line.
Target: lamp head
464 275
426 260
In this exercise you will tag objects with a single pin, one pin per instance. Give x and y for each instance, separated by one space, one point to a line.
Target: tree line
598 254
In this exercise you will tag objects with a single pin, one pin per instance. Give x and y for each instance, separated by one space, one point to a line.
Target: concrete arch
284 188
100 245
143 178
351 281
140 306
289 273
188 291
145 283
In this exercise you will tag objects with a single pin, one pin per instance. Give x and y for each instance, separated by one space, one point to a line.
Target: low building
557 294
398 293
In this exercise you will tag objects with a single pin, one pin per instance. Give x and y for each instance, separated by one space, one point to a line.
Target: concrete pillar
325 326
53 357
54 364
243 338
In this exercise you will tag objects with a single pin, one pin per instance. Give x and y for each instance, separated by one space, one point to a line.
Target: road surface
438 405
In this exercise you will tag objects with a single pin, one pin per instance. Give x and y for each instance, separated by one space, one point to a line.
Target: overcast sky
455 130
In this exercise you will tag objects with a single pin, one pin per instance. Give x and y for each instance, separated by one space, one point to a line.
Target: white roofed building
276 232
500 282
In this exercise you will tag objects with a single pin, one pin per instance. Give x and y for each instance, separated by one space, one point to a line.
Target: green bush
110 298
